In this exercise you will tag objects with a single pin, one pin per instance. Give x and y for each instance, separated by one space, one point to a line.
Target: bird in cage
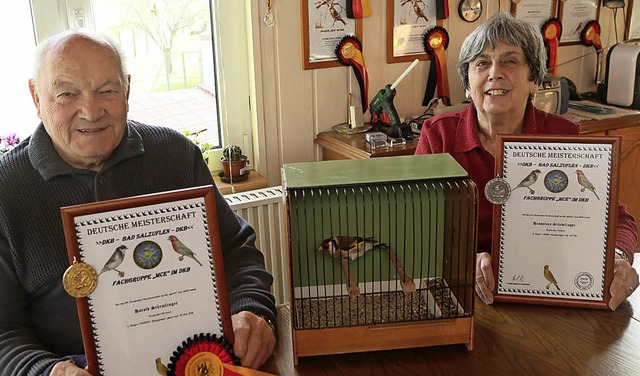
351 247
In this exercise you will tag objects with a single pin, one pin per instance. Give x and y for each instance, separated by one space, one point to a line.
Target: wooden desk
509 339
337 145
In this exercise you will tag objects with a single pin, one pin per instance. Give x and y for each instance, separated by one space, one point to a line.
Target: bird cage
381 253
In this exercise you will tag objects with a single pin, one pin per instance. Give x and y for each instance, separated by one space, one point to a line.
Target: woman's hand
625 282
254 339
484 277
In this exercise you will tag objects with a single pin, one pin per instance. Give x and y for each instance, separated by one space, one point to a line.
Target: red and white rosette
436 41
590 35
349 52
551 33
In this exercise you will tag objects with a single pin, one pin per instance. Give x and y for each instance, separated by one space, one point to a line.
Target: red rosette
349 52
197 345
435 41
590 35
551 33
434 37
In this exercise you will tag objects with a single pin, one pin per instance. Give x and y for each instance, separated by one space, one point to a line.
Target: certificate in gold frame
324 24
574 15
152 294
554 238
406 25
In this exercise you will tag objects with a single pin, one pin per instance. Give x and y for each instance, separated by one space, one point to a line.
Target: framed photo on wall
407 22
536 12
574 15
555 217
632 31
324 24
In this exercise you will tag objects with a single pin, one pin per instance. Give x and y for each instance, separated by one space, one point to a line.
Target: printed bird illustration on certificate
553 231
152 265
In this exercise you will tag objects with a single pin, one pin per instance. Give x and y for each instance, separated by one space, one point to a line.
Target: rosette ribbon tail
436 41
349 52
551 32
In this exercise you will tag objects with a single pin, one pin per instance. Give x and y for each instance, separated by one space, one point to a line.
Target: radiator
263 209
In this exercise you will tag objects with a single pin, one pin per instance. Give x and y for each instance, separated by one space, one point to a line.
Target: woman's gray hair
505 28
48 44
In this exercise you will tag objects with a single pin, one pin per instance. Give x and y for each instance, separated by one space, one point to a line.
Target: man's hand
625 282
254 339
67 368
484 277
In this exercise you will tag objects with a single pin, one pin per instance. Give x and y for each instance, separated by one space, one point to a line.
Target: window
178 79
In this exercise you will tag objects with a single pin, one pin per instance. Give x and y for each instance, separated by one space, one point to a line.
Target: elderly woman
501 64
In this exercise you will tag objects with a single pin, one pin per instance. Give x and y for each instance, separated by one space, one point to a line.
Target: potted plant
204 146
233 162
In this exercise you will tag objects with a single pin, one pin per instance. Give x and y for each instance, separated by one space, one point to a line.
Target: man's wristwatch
622 255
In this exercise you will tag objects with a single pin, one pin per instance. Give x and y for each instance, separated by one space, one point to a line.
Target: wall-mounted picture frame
574 15
536 12
554 223
406 23
632 30
145 267
324 24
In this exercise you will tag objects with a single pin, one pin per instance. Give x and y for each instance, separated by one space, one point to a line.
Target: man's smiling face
82 100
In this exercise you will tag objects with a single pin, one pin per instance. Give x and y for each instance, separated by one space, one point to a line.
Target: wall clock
470 10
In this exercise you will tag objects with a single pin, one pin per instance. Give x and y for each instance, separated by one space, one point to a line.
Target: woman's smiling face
499 81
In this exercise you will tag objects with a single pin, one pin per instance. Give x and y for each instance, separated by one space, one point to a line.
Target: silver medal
497 191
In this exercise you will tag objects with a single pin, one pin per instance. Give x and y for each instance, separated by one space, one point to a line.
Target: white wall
297 103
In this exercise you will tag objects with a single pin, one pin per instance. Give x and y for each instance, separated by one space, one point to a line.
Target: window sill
254 181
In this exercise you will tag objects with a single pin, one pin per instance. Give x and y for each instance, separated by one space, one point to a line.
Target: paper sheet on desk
577 111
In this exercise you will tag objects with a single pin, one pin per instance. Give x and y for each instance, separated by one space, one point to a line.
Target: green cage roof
372 170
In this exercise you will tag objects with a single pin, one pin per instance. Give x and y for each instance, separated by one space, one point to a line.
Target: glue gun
384 116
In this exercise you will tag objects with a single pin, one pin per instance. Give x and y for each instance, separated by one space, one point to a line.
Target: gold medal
348 50
435 41
204 363
80 279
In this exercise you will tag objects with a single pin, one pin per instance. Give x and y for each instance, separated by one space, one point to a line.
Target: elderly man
85 150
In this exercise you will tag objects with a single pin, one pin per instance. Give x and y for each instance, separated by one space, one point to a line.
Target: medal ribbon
551 32
358 8
349 52
436 41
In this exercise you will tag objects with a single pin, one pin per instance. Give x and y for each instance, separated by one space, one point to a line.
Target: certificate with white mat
554 230
158 280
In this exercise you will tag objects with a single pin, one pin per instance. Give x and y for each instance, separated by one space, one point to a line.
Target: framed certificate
632 30
407 22
536 12
574 15
555 219
324 24
147 273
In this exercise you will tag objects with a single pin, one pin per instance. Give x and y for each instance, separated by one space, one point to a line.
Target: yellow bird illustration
549 277
161 368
